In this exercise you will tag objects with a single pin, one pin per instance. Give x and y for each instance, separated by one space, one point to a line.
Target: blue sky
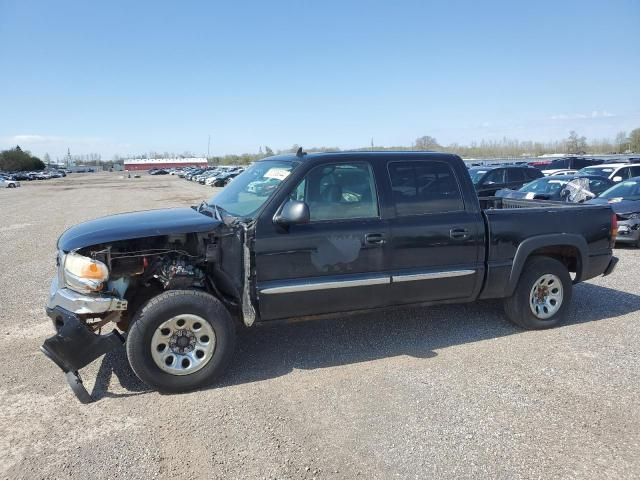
119 77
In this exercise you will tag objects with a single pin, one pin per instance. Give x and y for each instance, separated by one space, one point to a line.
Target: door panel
437 255
335 263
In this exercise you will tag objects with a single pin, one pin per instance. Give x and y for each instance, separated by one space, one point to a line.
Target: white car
616 172
8 182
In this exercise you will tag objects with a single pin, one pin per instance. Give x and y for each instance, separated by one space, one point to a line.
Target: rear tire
542 296
181 340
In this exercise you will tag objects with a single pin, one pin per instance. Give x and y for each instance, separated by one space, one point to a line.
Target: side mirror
564 193
617 179
292 213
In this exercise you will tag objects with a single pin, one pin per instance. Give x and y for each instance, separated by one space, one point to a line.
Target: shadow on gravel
269 351
116 363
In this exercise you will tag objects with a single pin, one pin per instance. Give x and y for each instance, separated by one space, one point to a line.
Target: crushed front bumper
74 345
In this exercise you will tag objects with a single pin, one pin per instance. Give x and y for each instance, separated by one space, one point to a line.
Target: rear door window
423 187
515 175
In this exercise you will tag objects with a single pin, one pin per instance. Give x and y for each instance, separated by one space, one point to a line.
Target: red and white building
133 164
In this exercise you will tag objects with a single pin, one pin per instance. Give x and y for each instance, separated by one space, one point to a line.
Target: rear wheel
12 185
542 295
180 340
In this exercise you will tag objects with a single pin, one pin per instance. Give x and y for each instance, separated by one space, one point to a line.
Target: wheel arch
570 249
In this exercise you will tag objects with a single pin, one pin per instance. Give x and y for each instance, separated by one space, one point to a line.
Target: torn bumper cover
74 345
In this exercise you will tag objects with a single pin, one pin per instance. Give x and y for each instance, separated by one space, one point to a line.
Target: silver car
624 199
6 182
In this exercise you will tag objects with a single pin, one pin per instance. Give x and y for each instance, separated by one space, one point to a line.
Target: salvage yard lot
445 392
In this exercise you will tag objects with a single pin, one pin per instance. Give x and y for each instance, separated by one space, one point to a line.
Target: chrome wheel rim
183 344
546 296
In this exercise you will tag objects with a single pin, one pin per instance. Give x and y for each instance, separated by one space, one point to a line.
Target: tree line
574 144
18 160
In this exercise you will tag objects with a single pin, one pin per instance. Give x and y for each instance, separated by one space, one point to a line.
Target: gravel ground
446 392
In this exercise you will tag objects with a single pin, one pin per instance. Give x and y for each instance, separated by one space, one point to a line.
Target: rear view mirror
617 179
293 212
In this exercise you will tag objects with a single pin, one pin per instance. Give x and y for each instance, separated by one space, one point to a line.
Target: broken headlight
84 274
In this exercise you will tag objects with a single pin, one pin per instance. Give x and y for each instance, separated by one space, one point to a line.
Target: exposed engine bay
140 269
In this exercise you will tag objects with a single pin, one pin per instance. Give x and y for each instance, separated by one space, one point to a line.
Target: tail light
614 228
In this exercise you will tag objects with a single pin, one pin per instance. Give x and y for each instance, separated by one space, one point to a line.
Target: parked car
563 172
574 188
489 179
20 176
573 163
341 232
616 172
222 179
8 182
158 171
624 199
263 187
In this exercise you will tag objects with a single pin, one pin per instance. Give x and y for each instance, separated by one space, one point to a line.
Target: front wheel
180 340
542 296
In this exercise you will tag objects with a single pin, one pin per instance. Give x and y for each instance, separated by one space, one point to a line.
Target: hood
508 193
126 226
622 207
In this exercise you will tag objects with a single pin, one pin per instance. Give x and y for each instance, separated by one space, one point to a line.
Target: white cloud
579 116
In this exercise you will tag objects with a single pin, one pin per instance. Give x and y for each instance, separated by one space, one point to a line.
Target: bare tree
576 144
427 143
621 141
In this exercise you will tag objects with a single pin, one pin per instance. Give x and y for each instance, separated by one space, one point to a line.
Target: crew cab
339 232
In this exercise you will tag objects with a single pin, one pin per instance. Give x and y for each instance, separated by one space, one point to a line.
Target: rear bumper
599 265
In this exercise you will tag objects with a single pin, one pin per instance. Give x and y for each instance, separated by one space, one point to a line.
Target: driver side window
338 192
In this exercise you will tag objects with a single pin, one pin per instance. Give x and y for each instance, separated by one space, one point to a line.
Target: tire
12 185
546 273
163 314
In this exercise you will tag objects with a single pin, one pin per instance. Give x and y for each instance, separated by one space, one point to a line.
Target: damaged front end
106 284
78 340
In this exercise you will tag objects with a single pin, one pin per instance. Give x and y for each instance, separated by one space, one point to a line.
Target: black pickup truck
299 236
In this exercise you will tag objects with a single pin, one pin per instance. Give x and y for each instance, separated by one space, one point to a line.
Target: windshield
629 190
544 185
602 171
249 190
476 175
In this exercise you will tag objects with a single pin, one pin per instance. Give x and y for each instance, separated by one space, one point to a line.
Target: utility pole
208 146
372 144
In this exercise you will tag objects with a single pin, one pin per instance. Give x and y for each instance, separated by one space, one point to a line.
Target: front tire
542 296
181 340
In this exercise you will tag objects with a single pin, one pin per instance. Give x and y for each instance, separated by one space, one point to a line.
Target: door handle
376 239
459 233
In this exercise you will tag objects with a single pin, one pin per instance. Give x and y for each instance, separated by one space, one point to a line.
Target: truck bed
500 203
515 225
